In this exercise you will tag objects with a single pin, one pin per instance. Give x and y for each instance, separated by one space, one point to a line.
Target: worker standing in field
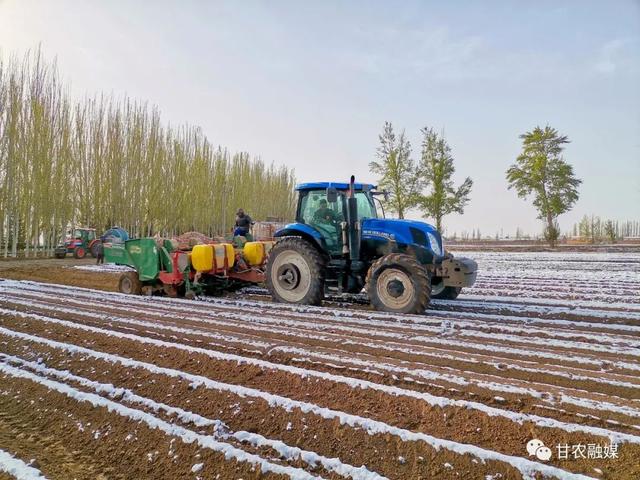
243 224
100 252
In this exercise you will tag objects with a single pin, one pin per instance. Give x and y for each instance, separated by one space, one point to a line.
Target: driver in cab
324 214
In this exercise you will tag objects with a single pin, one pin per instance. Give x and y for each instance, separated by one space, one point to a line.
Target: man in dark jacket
324 214
100 251
243 224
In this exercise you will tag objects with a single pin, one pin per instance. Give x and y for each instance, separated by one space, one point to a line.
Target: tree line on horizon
102 161
590 229
427 185
593 229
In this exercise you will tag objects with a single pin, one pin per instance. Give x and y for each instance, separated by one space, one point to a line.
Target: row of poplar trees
595 229
102 161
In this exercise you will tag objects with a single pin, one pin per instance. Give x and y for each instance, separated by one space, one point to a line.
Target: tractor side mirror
332 195
386 195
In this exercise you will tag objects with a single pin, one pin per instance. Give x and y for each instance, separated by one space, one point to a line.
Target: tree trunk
550 230
14 240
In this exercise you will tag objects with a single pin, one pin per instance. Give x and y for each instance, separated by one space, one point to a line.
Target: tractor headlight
435 245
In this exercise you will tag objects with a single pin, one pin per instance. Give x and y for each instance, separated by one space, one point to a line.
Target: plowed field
546 346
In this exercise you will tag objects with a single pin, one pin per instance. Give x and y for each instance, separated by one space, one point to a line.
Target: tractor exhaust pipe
345 238
352 219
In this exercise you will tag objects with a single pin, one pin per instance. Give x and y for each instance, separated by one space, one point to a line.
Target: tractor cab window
366 208
323 216
77 233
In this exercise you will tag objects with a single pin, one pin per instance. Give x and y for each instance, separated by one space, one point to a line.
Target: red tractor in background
79 241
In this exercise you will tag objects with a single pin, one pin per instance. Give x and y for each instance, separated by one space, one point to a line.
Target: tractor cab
84 234
323 208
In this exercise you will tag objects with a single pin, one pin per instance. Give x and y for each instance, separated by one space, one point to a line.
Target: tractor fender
305 231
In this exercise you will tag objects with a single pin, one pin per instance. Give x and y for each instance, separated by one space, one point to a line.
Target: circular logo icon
536 448
543 453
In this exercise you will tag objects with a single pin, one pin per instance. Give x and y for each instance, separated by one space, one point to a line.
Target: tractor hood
408 232
69 242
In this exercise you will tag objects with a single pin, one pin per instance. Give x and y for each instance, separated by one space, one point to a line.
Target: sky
310 84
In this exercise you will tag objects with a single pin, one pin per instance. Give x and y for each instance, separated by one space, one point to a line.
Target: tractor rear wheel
79 252
295 272
398 283
130 284
93 248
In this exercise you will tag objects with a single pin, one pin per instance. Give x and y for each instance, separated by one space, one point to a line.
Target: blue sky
310 84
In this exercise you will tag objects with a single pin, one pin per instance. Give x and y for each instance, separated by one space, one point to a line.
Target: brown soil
59 271
92 443
497 362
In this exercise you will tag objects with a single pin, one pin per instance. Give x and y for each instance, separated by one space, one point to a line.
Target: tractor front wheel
446 293
295 272
398 283
130 284
79 253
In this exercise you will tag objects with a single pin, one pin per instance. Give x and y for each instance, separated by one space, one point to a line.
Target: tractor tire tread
449 293
418 274
315 295
136 284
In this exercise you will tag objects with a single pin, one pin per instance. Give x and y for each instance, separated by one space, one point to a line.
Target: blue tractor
339 242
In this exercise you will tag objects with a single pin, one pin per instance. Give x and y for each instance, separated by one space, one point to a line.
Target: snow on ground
545 346
104 268
562 266
17 468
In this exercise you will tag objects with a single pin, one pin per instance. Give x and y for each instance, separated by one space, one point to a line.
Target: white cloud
434 51
614 55
444 54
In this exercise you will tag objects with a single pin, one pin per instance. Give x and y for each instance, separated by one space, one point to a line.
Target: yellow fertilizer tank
205 258
202 257
255 253
223 250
